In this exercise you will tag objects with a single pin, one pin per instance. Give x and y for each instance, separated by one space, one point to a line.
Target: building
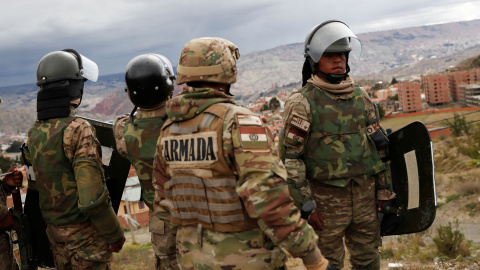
131 205
459 78
470 94
386 93
409 96
436 89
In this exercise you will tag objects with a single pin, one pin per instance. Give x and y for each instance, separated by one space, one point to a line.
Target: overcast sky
112 32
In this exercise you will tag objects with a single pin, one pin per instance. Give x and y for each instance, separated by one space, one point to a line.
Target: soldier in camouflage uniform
217 172
7 183
332 143
149 80
65 154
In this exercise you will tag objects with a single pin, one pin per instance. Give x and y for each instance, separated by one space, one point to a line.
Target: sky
112 32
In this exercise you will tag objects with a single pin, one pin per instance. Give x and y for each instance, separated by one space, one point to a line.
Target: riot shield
115 166
410 152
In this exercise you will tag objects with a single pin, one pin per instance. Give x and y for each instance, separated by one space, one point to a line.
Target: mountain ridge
399 53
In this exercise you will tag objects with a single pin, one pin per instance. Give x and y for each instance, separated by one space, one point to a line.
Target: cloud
111 32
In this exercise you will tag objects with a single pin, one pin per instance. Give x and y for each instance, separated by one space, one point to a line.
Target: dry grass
399 122
133 257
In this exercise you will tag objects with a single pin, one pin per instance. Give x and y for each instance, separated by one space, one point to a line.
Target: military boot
375 265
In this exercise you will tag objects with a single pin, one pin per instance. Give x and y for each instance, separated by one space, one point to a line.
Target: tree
6 163
395 97
14 147
381 111
274 104
394 81
458 125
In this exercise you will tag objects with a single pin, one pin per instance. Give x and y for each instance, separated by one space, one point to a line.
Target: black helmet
61 76
149 79
330 36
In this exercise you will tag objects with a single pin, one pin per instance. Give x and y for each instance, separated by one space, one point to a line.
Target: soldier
9 181
65 154
149 79
217 172
329 142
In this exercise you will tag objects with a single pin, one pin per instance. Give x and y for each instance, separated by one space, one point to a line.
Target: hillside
385 54
399 53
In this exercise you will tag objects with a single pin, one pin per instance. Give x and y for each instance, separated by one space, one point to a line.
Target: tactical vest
141 140
57 188
338 147
202 187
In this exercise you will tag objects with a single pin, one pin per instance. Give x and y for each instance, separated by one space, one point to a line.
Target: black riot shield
115 166
411 154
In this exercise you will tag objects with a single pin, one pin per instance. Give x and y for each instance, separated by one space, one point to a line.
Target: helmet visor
89 70
318 41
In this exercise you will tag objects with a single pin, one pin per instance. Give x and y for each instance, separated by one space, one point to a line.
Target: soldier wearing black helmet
65 154
149 79
332 143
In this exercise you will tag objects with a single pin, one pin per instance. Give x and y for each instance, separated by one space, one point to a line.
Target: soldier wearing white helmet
332 143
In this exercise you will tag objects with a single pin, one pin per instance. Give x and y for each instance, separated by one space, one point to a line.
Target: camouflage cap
208 59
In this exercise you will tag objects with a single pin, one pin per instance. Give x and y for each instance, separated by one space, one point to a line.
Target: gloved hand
316 220
7 223
14 179
321 264
381 203
117 246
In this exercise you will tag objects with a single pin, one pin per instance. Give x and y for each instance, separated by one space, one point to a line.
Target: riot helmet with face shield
329 37
61 76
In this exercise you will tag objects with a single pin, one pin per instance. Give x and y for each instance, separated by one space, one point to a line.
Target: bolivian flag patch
253 137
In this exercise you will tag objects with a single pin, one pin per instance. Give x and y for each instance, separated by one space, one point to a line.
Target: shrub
473 208
450 241
452 197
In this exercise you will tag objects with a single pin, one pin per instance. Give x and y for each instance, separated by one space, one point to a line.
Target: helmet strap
132 115
227 90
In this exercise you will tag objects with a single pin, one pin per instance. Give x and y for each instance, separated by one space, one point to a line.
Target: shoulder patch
248 120
300 123
253 137
297 130
374 127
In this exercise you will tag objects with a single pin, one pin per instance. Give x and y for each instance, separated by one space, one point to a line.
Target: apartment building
471 94
409 96
458 79
436 89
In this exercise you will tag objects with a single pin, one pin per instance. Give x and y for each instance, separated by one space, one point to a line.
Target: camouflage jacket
66 159
295 135
260 174
137 142
4 192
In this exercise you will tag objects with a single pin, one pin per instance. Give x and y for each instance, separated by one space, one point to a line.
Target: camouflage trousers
205 249
350 214
79 246
163 242
7 260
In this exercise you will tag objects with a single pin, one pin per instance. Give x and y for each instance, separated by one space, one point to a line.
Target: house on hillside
131 203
